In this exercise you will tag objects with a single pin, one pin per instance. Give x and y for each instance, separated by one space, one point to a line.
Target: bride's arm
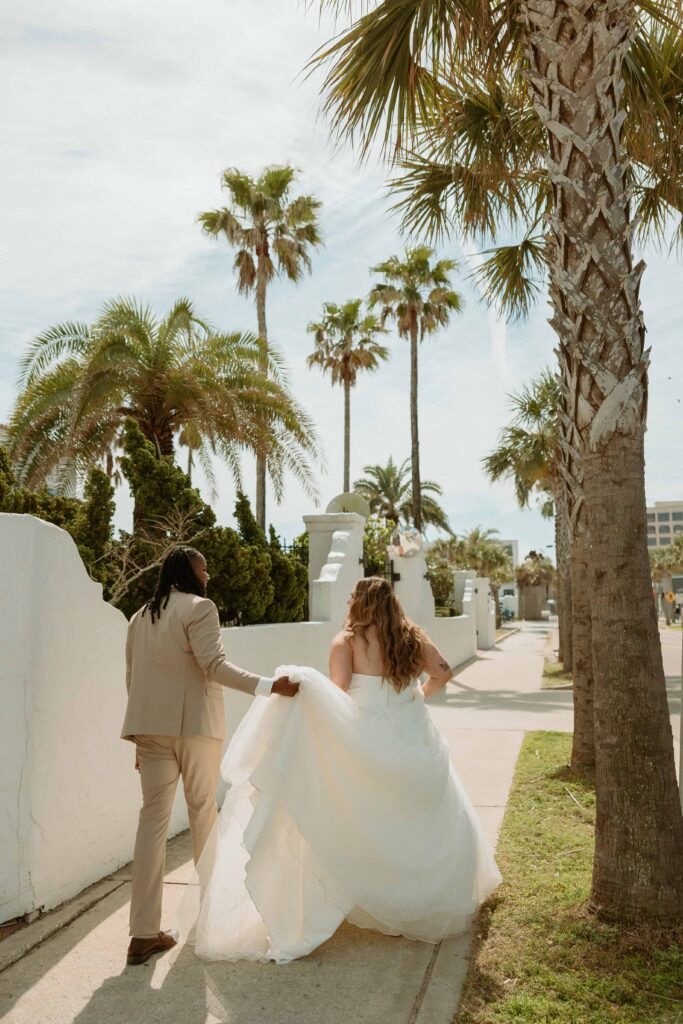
341 661
438 669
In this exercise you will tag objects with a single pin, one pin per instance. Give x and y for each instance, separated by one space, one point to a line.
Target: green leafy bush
251 580
376 537
89 521
288 591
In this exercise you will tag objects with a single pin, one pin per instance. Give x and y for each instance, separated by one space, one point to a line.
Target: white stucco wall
69 796
335 562
485 613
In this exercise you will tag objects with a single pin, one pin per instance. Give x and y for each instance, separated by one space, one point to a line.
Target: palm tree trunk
583 740
414 435
160 435
496 600
575 55
561 640
564 575
347 436
261 286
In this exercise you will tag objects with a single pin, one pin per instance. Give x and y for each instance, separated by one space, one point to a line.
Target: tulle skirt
340 806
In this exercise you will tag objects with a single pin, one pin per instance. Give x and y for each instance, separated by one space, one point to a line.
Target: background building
664 521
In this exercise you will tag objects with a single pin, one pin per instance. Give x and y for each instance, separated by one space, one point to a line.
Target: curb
21 942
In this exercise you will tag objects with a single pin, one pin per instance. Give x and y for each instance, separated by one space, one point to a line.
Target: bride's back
368 656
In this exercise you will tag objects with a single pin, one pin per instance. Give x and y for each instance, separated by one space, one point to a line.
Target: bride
343 804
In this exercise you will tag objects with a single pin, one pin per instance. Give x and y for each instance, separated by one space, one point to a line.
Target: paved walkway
78 974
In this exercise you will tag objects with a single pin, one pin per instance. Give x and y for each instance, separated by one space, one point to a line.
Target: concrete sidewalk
78 973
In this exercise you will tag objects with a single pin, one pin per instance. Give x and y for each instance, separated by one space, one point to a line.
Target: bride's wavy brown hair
402 643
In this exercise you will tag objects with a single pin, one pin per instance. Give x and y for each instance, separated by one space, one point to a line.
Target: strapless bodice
366 689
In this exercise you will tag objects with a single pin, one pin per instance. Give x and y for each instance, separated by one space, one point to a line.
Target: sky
117 120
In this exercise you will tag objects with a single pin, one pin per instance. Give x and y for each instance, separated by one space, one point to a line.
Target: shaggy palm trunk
161 436
347 436
261 285
575 52
414 435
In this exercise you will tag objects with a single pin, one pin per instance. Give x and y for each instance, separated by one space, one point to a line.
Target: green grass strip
538 956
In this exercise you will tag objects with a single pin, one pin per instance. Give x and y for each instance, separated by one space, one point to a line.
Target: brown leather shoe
140 950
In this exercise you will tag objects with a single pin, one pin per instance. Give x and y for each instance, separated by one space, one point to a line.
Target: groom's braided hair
177 571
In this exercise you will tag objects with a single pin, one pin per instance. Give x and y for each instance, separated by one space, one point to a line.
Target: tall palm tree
562 95
388 491
178 379
344 346
416 293
529 451
273 233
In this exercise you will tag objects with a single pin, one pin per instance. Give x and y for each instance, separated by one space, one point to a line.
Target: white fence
69 796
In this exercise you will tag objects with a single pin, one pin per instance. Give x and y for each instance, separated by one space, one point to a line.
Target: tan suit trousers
162 760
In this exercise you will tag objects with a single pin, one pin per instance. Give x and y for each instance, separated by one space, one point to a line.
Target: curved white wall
69 796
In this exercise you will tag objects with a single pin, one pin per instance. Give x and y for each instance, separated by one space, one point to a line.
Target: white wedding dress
341 806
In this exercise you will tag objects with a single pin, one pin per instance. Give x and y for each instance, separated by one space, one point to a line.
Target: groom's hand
284 687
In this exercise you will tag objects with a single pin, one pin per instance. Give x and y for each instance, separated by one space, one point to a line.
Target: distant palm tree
273 233
179 380
388 491
416 293
344 346
530 450
529 453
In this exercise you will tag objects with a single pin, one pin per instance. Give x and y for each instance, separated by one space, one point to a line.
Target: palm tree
273 233
178 379
516 114
416 293
529 451
344 346
388 491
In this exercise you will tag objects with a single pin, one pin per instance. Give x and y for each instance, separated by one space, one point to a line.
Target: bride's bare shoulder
341 660
341 639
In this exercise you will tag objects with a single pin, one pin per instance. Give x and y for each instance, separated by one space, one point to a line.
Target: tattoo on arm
445 666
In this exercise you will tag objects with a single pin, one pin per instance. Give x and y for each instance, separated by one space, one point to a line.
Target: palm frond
512 276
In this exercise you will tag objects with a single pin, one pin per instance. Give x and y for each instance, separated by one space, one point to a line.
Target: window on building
663 517
651 529
664 528
677 517
678 529
650 517
508 593
652 542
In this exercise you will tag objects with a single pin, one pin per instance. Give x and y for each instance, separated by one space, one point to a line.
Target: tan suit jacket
176 669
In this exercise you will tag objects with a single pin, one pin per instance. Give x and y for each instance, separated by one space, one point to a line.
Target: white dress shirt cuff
264 686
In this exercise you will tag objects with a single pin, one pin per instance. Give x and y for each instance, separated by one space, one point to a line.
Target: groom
175 671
